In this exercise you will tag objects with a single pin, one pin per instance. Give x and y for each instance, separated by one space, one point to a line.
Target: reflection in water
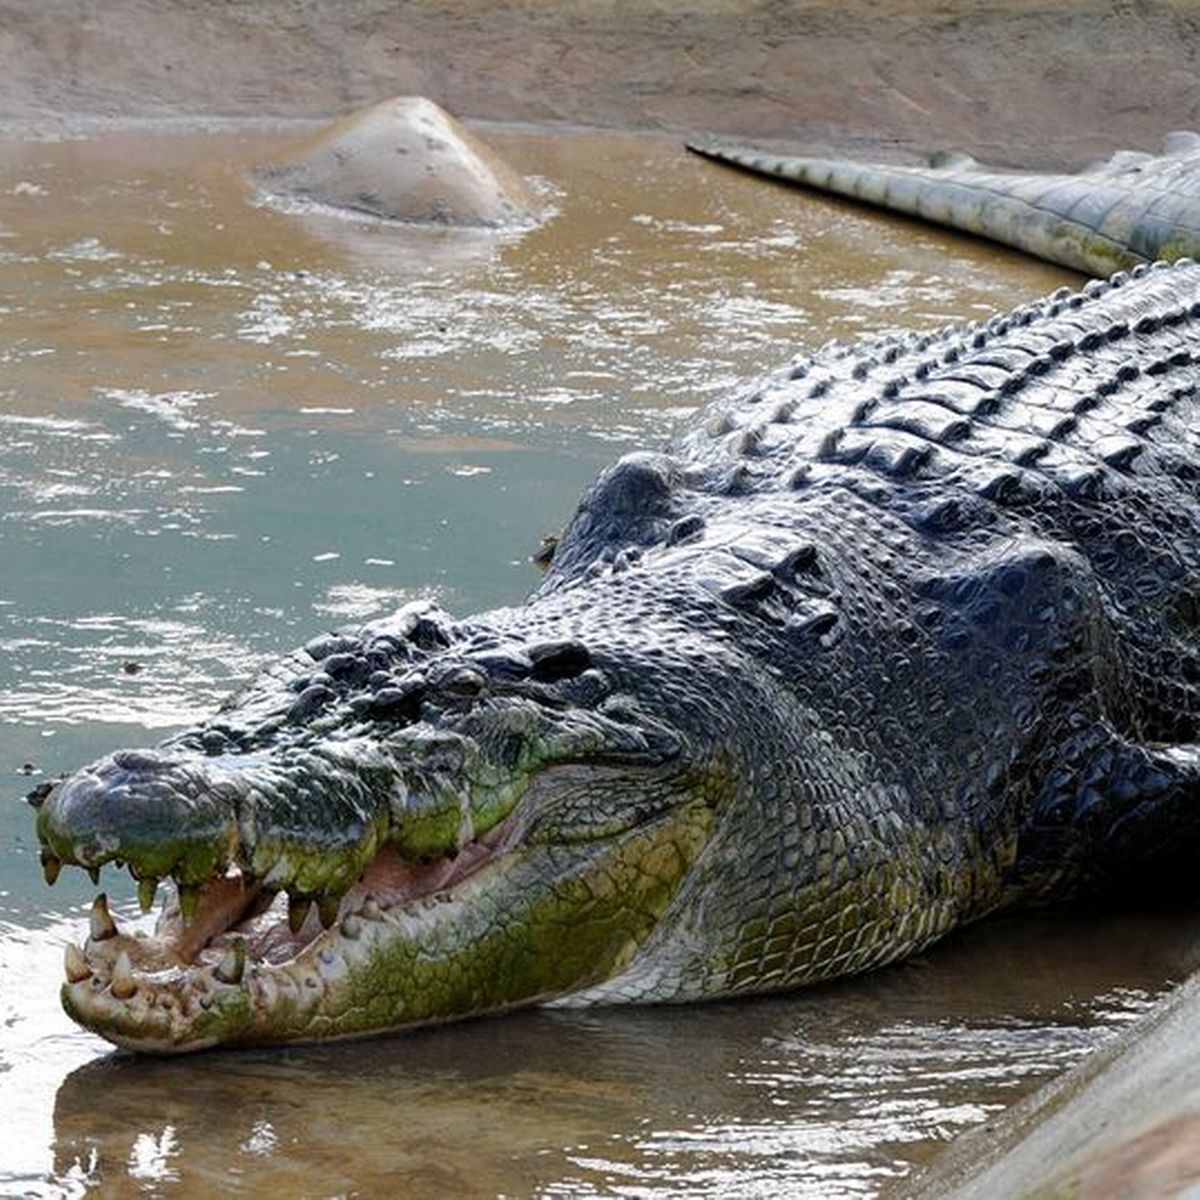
830 1093
223 427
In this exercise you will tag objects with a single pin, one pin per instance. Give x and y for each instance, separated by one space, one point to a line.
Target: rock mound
404 159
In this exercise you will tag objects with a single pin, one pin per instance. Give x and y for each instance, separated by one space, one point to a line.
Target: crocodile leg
1112 811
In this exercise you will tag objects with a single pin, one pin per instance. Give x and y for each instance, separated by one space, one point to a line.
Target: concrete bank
1025 82
1123 1123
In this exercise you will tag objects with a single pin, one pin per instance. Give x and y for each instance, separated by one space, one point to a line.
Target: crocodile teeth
189 902
147 890
75 964
233 964
123 985
370 909
51 866
298 909
94 875
327 910
102 926
352 926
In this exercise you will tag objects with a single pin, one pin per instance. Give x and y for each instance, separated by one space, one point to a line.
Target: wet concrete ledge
1123 1123
1093 74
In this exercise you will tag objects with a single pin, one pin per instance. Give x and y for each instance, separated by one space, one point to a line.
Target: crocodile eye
558 660
465 682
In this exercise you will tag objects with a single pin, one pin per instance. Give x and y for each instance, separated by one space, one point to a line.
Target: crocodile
900 634
1133 208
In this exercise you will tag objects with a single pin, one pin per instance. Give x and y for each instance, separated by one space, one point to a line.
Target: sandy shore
1028 82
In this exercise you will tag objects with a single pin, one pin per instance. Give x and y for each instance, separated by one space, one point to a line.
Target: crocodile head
411 824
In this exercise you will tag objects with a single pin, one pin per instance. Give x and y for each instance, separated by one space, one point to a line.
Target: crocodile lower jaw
246 948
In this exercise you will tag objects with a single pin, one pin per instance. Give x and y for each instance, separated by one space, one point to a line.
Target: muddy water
224 427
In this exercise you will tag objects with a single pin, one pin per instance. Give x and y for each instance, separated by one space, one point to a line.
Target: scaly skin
1132 209
904 633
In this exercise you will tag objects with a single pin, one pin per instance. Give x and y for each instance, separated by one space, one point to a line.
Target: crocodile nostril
37 797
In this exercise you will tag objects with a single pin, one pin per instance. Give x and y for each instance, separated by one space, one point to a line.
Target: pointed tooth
123 984
102 925
94 875
327 910
278 875
370 909
147 890
233 963
51 865
352 926
298 910
189 901
75 964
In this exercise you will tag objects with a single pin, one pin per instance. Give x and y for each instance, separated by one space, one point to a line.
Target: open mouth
332 887
247 943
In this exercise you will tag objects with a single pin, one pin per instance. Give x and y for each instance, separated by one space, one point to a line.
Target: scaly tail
1091 224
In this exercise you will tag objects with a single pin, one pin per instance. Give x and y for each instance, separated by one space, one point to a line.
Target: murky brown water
223 427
